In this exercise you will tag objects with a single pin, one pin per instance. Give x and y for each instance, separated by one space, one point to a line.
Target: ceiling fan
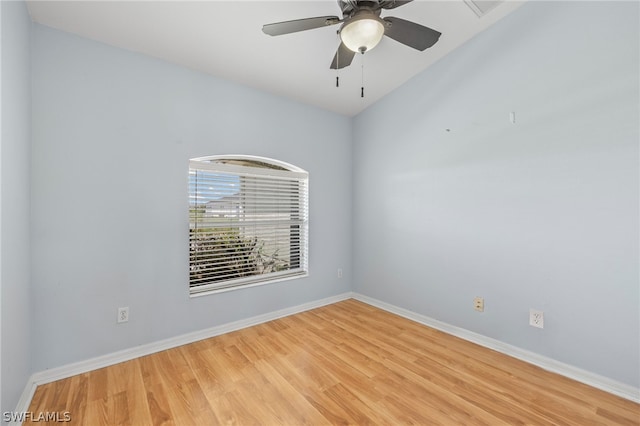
362 28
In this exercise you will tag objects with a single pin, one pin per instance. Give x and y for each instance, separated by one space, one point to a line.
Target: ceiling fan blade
343 57
411 34
392 4
280 28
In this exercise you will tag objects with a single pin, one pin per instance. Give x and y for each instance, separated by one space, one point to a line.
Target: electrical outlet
123 314
478 304
339 272
536 318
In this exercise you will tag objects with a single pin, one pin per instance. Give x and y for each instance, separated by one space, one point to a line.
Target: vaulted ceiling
225 39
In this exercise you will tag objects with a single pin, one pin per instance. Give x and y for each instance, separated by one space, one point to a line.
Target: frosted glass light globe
362 34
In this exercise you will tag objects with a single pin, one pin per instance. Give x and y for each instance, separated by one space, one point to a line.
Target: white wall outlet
339 272
536 318
478 304
123 314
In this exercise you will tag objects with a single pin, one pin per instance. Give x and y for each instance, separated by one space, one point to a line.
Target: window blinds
247 225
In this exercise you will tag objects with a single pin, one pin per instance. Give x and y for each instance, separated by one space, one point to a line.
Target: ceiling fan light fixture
362 33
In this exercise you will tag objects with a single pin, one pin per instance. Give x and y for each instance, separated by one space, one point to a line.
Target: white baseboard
25 398
604 383
76 368
58 373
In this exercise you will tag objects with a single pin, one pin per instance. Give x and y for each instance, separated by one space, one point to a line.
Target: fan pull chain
338 61
362 76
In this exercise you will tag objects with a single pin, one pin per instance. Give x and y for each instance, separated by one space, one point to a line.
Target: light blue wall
14 198
112 135
542 214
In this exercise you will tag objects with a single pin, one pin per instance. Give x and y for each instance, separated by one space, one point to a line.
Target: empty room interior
320 212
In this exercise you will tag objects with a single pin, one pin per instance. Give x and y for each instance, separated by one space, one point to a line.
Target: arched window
248 222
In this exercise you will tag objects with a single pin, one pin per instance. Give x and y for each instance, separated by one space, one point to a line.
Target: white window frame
276 216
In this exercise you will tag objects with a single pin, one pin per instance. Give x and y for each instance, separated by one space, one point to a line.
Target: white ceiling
225 39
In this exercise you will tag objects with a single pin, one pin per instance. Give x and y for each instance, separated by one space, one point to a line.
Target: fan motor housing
352 7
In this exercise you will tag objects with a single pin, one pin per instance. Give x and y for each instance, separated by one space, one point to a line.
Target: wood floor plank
346 363
158 405
306 412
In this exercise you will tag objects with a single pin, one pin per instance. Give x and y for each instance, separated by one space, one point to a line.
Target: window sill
245 286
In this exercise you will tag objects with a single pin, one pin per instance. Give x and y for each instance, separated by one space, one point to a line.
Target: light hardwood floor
346 363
